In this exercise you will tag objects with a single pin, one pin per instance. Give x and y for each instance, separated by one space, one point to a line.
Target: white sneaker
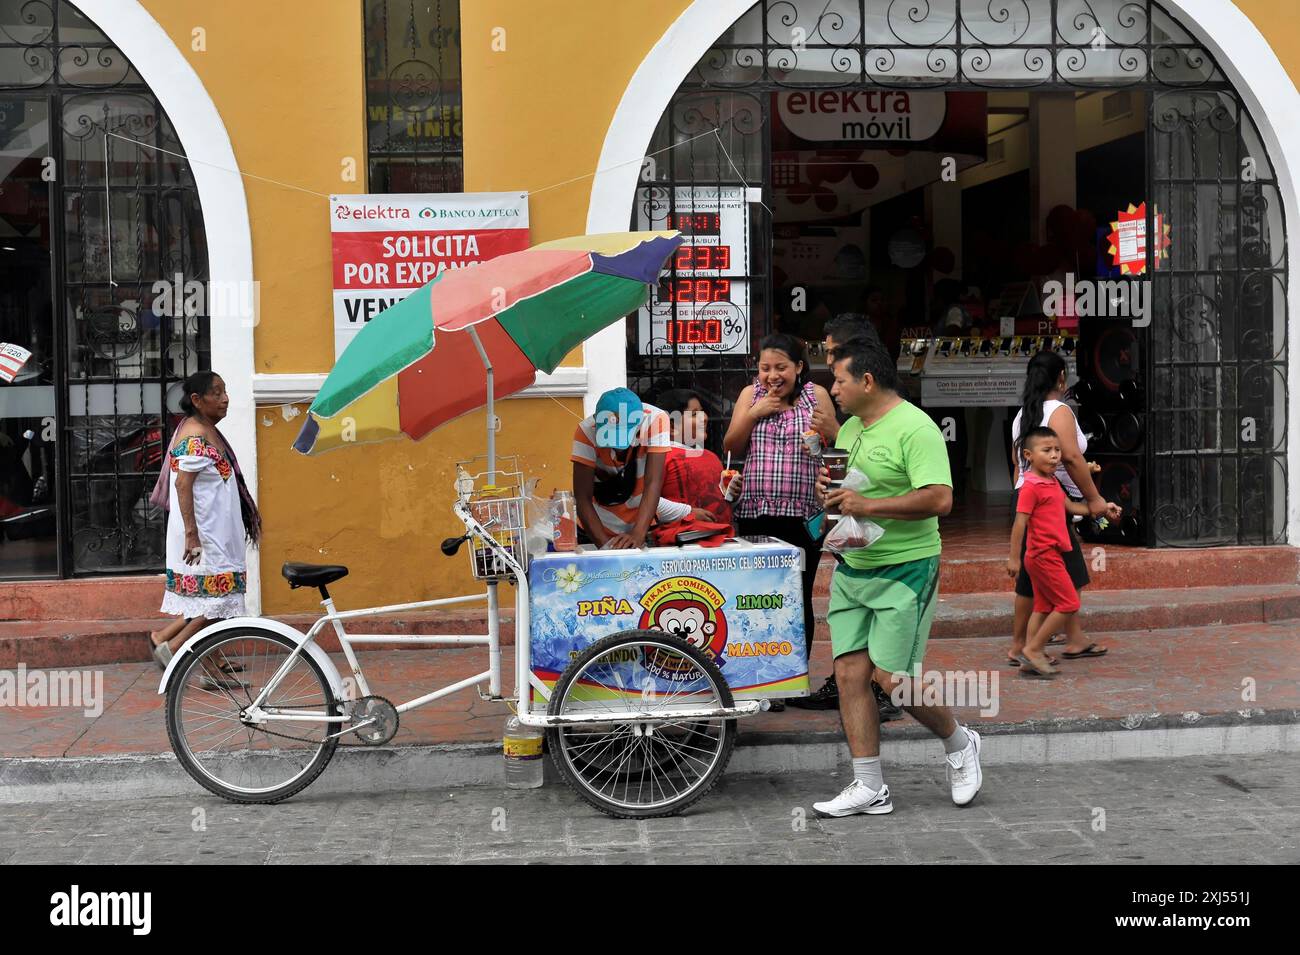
856 797
964 774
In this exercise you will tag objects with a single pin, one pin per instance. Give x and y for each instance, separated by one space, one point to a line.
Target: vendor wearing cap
618 468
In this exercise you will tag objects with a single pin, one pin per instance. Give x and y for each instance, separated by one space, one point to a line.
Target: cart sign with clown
740 605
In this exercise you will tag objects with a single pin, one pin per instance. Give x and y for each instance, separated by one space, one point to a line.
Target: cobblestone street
1220 810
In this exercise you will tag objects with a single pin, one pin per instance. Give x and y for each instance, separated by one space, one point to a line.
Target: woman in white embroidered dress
210 515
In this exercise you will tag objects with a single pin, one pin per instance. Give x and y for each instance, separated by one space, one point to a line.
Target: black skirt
1075 565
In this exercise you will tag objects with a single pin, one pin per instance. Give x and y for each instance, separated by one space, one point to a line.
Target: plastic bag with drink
853 533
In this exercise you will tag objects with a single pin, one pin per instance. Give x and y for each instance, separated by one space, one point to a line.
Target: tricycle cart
623 665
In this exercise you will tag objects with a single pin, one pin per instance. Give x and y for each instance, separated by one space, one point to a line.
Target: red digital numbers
696 290
703 258
695 331
695 223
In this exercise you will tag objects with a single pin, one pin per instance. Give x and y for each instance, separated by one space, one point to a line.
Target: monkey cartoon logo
689 608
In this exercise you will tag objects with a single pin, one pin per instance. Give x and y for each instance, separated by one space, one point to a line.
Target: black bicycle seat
312 575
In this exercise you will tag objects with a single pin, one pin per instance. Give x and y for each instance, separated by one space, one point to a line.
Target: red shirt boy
1043 499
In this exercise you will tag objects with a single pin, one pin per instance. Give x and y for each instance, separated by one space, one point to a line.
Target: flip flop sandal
1057 639
1015 661
1027 669
1091 650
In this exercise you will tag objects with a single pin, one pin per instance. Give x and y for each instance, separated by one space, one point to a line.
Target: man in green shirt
883 597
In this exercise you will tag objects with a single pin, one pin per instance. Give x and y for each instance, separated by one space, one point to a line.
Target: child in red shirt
1040 513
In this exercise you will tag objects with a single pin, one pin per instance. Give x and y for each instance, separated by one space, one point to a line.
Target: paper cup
837 464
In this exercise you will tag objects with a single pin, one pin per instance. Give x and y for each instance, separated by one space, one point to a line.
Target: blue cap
617 419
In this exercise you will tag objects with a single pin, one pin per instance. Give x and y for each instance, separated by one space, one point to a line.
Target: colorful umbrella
412 368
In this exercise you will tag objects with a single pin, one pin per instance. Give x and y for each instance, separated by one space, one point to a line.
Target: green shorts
885 610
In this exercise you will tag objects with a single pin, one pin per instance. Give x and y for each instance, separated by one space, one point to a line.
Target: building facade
224 142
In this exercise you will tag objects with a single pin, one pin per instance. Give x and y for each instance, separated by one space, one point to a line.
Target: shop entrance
103 269
1075 175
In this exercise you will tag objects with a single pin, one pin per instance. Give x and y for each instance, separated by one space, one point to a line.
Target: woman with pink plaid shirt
767 426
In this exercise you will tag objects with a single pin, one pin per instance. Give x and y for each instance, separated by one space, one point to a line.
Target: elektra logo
77 908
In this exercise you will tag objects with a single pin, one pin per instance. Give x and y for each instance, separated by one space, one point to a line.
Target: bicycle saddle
312 575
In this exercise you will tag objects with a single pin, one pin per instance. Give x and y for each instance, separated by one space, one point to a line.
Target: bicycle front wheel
231 755
639 770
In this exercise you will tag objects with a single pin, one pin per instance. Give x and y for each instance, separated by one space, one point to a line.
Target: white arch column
1239 48
134 31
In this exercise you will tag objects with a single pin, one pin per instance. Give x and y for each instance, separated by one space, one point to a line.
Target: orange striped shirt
654 434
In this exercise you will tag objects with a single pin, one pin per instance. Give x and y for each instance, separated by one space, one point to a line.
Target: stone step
84 643
96 598
1121 568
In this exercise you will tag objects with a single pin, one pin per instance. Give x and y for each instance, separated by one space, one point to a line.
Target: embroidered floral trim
195 446
206 585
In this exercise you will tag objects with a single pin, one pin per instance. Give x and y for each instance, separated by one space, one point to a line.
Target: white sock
866 770
957 741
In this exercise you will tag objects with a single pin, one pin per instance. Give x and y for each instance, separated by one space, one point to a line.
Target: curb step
397 768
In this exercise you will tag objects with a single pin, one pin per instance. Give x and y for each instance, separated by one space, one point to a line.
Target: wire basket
496 500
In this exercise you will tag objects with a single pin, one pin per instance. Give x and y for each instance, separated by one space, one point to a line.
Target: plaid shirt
780 477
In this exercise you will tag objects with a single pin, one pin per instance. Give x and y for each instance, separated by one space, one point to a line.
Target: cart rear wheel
637 770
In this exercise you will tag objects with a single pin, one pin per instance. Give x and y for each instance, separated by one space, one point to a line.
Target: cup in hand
836 462
727 484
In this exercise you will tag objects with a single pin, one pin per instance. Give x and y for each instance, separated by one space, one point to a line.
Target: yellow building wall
1276 20
291 94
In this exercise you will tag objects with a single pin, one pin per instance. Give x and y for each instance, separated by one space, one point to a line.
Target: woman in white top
210 516
1043 404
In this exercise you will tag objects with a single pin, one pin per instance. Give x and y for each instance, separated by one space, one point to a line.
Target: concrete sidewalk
1222 689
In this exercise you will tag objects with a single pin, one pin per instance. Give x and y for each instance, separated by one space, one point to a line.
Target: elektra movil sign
877 116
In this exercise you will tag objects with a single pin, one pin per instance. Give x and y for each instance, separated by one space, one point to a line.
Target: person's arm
584 485
1017 541
823 417
669 511
932 500
1077 508
1062 422
742 423
925 458
650 492
185 503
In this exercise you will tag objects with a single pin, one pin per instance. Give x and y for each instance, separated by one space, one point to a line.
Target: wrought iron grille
116 357
1220 310
1217 374
413 98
